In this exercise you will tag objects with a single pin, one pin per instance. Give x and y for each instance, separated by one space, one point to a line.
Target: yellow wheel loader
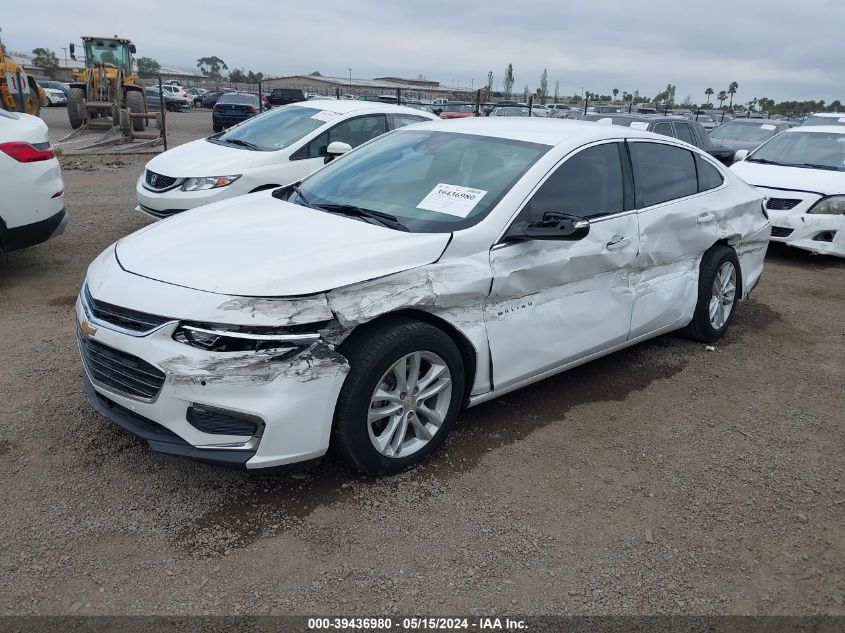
107 85
18 92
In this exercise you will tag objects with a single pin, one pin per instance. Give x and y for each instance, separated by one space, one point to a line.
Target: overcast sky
781 49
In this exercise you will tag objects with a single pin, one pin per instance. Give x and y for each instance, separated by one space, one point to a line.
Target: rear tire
136 104
75 99
422 410
719 289
218 127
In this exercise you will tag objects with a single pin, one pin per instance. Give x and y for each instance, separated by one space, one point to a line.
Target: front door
556 301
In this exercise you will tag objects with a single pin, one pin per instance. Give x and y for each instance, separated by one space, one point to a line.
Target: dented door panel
553 302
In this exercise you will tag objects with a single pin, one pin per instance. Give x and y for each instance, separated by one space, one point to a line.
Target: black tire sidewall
369 362
710 265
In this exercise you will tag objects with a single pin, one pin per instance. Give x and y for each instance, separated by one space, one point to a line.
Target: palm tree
707 94
615 92
732 91
722 96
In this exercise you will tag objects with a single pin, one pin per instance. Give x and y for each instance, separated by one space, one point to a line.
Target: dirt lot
666 478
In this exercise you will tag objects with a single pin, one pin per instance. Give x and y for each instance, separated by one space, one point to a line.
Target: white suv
32 208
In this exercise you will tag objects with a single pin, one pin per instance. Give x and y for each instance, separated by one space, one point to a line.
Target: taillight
250 110
217 109
28 153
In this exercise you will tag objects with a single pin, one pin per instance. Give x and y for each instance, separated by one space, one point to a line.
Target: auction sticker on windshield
452 199
639 125
324 115
767 126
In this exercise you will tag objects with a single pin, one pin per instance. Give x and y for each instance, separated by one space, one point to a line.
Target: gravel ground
663 479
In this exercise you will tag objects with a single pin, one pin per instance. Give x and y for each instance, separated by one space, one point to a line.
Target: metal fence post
21 104
398 96
163 111
260 98
530 104
586 103
337 92
478 102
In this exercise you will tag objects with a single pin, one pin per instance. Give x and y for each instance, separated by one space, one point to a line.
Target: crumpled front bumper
293 396
816 232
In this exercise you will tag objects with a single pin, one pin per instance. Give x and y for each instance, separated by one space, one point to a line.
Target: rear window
708 176
684 132
238 99
662 173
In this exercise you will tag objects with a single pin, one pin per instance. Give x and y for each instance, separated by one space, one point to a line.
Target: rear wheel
401 397
135 103
75 99
719 283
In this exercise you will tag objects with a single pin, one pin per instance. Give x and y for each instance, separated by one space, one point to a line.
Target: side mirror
132 49
72 51
335 149
553 226
741 154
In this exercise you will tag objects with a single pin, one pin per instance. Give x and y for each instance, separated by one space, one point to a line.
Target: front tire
401 397
75 99
136 104
719 284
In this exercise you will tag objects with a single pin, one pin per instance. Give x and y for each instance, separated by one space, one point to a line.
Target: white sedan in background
436 267
278 147
32 201
802 173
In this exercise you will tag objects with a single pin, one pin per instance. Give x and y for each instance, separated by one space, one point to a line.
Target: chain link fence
186 114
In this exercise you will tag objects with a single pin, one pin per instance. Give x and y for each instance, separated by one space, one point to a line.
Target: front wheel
136 104
719 283
75 99
401 397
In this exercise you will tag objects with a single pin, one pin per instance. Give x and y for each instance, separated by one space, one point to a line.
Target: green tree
211 66
615 92
722 96
237 76
489 82
148 67
507 83
557 91
525 94
46 59
732 91
544 86
707 94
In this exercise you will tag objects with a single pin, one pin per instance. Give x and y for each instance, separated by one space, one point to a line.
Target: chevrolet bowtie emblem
88 329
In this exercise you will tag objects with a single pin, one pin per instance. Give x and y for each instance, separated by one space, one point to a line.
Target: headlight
208 182
236 338
834 205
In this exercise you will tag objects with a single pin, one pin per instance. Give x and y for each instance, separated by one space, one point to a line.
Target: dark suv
676 127
284 96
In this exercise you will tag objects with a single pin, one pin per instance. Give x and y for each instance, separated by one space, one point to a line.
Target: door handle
617 243
704 218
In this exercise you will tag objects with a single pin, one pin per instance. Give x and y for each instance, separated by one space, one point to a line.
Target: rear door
553 301
677 224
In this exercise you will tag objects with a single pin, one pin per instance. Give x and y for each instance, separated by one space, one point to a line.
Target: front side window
588 185
662 172
353 132
684 132
663 128
431 181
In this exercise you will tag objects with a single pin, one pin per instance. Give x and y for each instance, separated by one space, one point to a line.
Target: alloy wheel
723 295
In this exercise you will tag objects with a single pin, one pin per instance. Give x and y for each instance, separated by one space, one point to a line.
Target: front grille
222 422
161 214
125 318
122 372
782 204
159 182
779 231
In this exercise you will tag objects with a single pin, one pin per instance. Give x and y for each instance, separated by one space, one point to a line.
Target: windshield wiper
237 141
385 219
812 166
763 161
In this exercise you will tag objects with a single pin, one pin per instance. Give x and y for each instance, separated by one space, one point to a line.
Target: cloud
771 49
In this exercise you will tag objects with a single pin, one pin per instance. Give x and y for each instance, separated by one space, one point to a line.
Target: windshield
820 150
109 53
511 112
278 128
431 181
824 120
458 108
752 132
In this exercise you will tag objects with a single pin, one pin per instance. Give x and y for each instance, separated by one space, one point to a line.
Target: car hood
258 246
734 145
204 158
820 181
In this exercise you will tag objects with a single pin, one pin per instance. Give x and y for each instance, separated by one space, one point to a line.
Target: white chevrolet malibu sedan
436 267
802 174
275 148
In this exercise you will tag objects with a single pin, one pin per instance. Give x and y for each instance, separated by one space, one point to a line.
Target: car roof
541 130
750 121
830 129
832 115
346 106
